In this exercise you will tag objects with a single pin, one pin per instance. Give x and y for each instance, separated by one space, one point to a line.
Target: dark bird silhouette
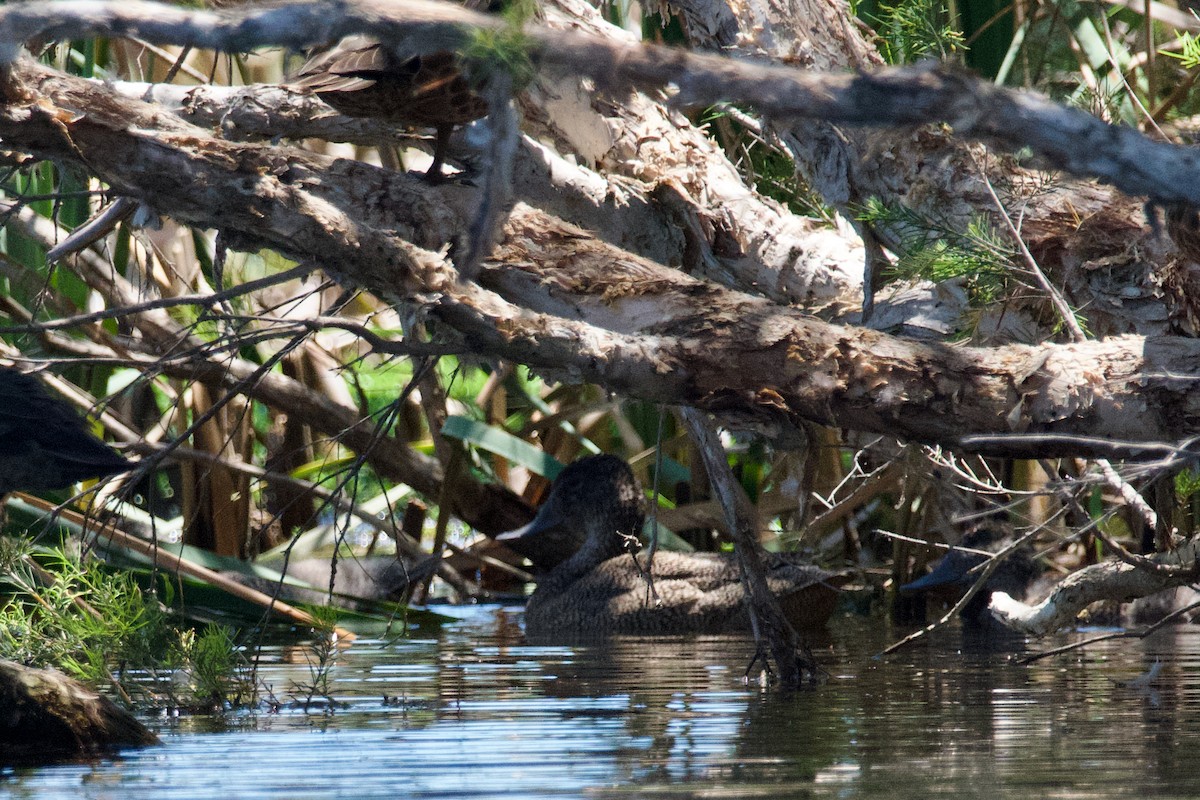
606 586
358 584
360 78
44 444
952 576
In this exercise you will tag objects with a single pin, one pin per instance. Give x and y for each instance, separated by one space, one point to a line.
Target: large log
46 716
573 307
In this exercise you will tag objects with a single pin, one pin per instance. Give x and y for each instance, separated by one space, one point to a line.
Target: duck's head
952 575
595 506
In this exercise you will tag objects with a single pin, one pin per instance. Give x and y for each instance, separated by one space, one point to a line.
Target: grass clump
97 625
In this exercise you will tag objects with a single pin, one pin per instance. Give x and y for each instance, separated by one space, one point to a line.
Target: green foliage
1187 483
505 50
912 30
937 252
499 441
97 625
218 668
765 163
322 658
77 616
1189 51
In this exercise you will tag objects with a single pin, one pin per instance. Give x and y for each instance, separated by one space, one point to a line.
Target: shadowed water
474 712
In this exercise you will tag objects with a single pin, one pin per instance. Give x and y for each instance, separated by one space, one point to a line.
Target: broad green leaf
504 444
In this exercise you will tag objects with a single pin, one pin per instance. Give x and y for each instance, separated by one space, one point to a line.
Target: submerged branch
772 630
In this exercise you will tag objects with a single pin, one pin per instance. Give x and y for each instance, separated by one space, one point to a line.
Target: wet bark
773 634
1110 580
46 716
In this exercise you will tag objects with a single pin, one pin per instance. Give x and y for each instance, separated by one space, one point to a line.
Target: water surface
475 712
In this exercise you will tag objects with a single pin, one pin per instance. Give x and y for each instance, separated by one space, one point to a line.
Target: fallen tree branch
772 632
1111 580
1068 139
164 346
1140 633
577 308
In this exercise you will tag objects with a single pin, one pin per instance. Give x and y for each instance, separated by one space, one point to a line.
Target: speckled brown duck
360 78
603 588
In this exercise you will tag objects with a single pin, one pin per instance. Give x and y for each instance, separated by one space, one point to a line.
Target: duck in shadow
44 444
608 587
952 576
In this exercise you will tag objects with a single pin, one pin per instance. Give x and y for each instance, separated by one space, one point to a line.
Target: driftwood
575 307
1111 580
557 299
46 716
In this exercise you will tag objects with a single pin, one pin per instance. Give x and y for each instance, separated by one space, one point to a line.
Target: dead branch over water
556 298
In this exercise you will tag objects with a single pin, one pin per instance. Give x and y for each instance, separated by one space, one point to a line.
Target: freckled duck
603 588
44 444
361 78
951 576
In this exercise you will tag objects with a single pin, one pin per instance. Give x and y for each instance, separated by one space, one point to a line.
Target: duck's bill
542 523
948 572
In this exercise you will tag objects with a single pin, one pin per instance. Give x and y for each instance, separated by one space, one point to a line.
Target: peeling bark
558 299
924 168
1092 239
606 304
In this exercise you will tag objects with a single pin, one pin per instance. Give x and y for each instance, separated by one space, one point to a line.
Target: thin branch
1067 139
1140 633
571 305
985 574
772 631
203 300
175 563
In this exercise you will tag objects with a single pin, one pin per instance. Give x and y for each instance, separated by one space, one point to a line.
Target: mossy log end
46 716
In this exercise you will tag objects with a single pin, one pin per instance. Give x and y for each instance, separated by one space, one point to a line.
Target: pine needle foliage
86 621
913 30
97 625
936 252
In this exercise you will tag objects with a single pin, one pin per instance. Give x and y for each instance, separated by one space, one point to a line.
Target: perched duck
952 576
360 78
44 444
606 586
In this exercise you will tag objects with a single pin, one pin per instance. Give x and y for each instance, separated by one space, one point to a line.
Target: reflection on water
477 712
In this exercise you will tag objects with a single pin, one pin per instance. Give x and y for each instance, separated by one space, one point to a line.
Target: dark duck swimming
951 577
608 587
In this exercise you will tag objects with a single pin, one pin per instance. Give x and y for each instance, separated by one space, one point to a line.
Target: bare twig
496 201
985 573
791 654
1140 633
